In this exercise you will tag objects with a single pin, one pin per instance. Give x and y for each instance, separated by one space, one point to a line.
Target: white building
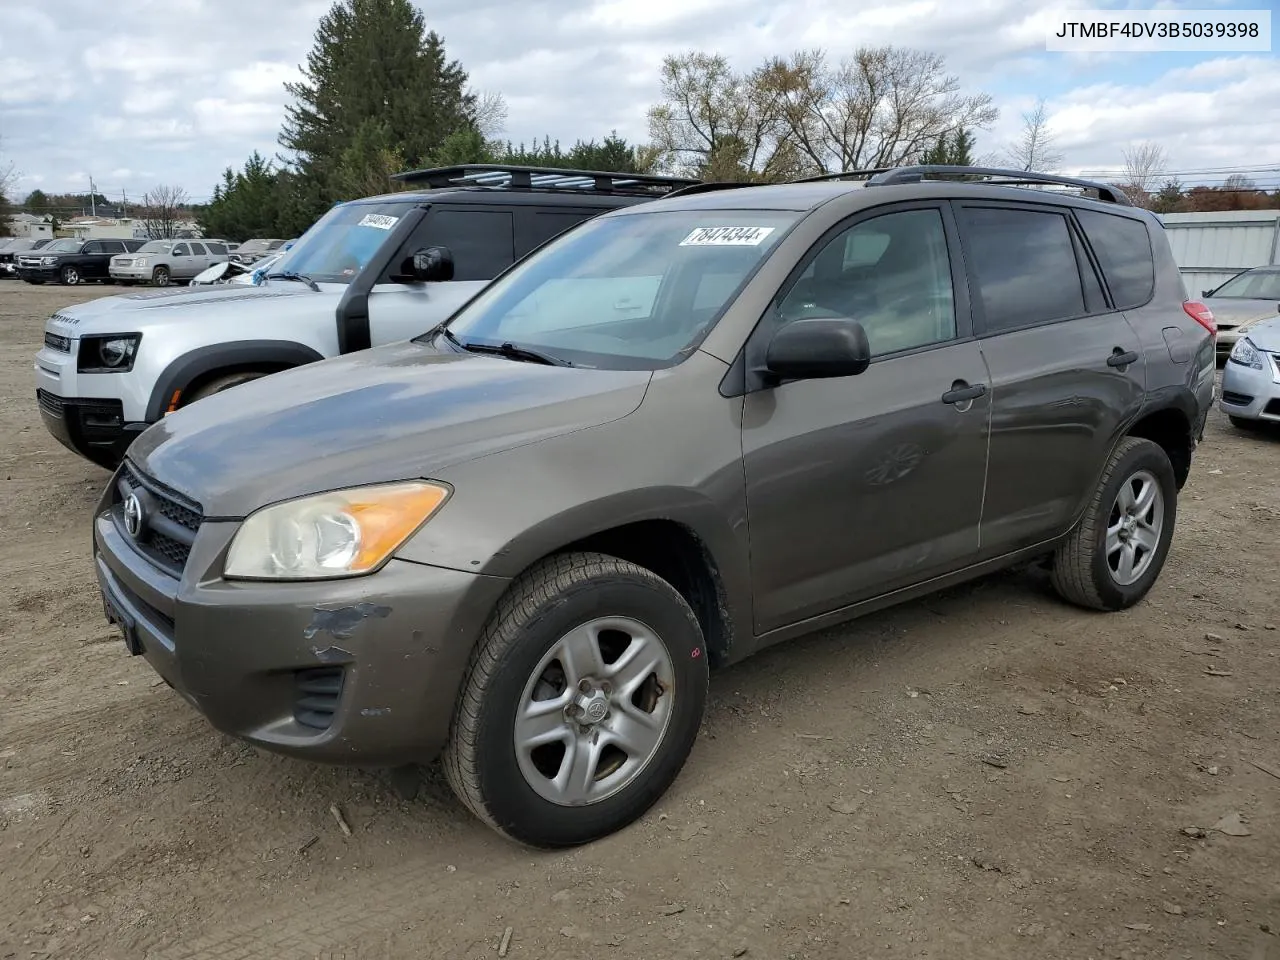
1211 248
30 227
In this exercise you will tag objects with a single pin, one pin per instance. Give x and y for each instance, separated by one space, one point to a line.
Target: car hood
397 412
171 303
1265 335
1229 310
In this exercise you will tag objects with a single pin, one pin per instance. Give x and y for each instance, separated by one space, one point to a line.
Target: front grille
319 690
169 522
55 342
1236 399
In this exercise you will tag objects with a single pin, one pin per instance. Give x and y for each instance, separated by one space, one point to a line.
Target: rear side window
112 246
217 249
1025 266
198 249
1123 247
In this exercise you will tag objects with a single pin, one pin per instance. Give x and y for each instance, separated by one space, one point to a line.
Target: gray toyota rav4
521 540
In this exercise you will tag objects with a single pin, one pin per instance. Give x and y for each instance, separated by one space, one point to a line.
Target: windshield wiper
300 277
511 351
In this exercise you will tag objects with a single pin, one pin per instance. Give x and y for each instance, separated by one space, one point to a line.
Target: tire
1083 571
70 276
594 595
218 384
160 276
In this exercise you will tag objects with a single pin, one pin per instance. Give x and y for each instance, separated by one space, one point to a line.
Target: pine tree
376 85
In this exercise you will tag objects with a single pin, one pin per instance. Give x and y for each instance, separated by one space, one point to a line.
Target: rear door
481 238
1067 370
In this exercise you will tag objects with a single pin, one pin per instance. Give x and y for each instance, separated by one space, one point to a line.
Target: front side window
891 273
1252 285
482 241
638 291
181 250
341 243
1025 266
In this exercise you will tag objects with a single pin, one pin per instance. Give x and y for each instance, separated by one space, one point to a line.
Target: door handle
1120 359
961 392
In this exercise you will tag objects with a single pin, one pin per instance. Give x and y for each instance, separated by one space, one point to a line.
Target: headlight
49 261
140 261
1246 354
113 353
346 533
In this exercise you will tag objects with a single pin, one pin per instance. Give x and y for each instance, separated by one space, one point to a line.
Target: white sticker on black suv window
379 220
726 237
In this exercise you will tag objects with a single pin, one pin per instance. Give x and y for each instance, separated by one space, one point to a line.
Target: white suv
163 261
368 272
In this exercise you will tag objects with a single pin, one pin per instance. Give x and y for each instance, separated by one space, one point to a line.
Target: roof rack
1006 178
708 187
510 177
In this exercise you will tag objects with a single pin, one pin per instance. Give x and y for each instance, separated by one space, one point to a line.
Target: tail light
1201 314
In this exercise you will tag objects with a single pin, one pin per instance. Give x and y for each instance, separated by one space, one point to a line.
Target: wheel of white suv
581 701
160 276
1114 555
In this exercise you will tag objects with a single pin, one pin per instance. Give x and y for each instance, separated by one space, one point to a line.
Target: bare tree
1144 164
1035 148
490 114
8 180
163 211
805 115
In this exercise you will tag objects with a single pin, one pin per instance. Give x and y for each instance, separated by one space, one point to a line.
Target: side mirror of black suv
433 265
811 349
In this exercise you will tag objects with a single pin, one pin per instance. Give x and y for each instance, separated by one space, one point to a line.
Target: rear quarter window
1123 248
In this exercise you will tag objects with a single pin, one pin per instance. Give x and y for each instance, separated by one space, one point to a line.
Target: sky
175 91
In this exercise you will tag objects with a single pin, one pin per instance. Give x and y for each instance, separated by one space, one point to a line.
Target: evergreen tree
951 149
1169 199
376 85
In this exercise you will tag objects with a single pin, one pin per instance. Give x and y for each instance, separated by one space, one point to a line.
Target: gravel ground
985 773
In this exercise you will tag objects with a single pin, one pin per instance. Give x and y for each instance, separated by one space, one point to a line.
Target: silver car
163 261
1251 377
1246 299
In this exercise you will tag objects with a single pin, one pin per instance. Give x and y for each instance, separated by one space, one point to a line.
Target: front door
860 485
482 241
1067 373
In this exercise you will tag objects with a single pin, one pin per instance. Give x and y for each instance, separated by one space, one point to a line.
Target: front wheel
160 276
1114 555
581 702
70 276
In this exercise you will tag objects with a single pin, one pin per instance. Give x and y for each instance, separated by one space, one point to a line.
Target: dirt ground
987 773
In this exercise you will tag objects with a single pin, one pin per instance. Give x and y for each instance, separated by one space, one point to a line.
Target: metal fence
1210 248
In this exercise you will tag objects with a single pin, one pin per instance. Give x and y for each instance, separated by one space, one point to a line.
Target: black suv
72 261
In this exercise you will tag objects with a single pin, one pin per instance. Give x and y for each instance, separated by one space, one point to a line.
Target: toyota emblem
133 515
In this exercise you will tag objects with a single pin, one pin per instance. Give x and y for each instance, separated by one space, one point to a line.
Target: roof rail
1007 178
511 177
698 187
870 172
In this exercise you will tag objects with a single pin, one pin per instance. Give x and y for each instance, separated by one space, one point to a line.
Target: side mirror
1206 293
818 348
432 265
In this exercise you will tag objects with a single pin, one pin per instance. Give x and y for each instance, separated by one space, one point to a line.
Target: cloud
183 88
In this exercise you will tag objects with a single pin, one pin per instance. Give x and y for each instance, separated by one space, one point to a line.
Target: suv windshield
1254 285
637 292
156 246
340 243
66 245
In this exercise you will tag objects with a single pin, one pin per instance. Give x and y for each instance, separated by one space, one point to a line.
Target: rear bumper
363 671
93 428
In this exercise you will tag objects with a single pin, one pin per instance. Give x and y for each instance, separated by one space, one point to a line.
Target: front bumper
363 671
93 428
135 274
1249 393
47 274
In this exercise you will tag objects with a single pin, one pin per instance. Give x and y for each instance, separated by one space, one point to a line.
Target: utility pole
93 203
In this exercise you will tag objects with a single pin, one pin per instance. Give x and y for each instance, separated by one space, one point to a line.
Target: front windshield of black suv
637 291
65 245
342 242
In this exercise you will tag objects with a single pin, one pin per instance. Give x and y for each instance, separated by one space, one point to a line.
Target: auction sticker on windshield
379 220
726 237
